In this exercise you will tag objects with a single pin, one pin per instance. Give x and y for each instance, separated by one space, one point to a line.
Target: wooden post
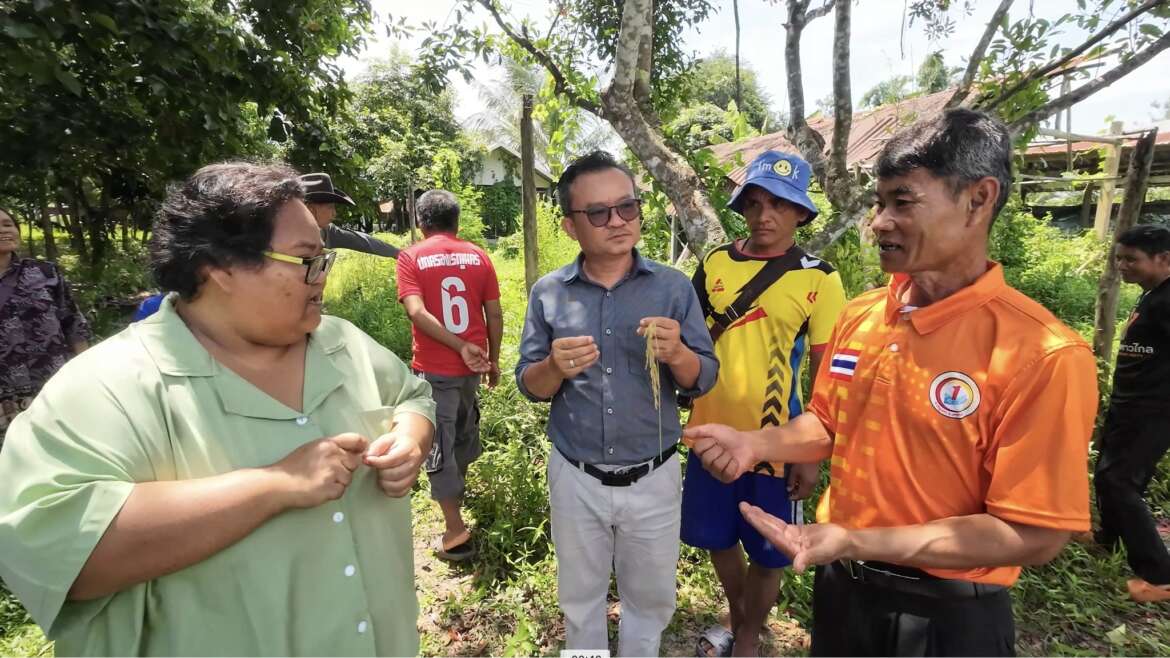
1086 218
1105 198
1136 180
528 193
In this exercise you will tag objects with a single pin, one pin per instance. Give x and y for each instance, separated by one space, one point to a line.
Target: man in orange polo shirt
956 412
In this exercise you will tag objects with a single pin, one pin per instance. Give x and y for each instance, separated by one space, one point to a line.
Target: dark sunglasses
599 216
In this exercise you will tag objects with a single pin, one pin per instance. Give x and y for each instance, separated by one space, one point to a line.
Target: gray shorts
456 442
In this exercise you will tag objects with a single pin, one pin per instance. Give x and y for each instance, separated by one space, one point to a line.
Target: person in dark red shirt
452 296
1136 434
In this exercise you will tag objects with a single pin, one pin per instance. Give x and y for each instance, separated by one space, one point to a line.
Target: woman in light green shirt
231 475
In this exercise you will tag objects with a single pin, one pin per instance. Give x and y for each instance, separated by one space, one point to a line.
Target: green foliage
108 103
445 174
655 203
888 91
1061 272
502 206
398 129
1024 45
363 289
934 74
699 126
592 27
711 81
19 636
555 246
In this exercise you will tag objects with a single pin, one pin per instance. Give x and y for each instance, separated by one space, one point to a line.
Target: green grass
19 636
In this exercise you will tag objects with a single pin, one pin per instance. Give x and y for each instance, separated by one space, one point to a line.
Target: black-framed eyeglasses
316 267
599 216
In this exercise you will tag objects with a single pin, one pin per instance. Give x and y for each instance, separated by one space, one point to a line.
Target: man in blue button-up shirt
614 482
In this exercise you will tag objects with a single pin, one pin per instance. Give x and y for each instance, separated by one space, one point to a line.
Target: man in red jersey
452 297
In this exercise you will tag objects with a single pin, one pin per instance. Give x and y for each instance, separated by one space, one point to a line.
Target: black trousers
1132 443
852 618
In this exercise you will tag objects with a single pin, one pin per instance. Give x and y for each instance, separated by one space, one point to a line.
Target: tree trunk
1086 218
682 185
32 245
47 228
528 193
74 225
738 88
96 223
620 108
1105 324
832 172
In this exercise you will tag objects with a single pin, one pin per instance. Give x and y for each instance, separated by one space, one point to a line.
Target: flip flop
715 641
457 550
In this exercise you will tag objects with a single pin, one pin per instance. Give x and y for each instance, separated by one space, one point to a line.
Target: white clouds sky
876 54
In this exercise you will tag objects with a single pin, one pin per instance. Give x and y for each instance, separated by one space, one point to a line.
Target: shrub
363 289
501 208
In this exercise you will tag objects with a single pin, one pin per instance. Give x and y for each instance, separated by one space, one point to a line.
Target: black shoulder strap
768 274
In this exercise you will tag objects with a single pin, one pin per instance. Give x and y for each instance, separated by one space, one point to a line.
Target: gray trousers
632 530
456 442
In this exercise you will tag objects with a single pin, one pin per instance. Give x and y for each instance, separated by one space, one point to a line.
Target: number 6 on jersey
456 323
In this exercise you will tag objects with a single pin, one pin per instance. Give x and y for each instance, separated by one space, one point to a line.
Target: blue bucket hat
782 175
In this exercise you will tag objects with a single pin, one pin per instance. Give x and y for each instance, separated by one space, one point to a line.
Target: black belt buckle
624 477
853 569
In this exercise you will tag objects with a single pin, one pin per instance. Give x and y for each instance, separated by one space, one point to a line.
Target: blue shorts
711 519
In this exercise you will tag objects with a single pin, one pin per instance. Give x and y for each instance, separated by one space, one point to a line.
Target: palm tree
499 121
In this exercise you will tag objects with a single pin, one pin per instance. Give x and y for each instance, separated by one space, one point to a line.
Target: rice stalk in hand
655 376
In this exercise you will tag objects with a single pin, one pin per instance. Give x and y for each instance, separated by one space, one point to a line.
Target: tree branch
1083 92
977 55
635 124
1044 71
809 142
793 29
823 10
842 95
562 85
642 74
635 30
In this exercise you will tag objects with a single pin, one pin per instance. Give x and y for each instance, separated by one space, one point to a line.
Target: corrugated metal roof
869 132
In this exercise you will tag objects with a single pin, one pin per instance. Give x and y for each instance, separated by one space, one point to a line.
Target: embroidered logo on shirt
844 364
954 395
718 287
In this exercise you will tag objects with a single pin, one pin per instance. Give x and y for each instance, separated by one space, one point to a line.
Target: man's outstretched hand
807 545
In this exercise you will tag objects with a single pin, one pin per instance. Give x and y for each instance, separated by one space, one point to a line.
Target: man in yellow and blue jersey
760 346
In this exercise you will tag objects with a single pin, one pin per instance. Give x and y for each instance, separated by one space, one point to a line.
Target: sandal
457 550
715 641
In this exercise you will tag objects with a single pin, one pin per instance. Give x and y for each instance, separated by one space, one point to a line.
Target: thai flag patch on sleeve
844 364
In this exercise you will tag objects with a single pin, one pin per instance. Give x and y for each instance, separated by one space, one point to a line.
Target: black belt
913 581
626 476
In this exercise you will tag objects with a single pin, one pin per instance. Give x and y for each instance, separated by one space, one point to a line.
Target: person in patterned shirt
40 325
